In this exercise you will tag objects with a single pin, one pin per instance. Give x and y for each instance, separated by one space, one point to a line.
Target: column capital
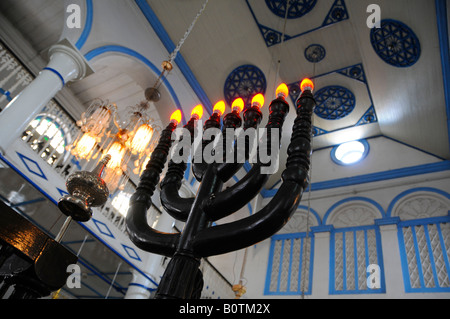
68 61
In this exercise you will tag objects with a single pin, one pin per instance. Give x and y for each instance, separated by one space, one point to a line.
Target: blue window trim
332 280
414 190
290 237
404 260
338 162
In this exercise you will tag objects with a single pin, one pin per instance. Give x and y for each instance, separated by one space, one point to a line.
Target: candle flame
197 112
282 90
176 117
219 108
258 100
307 84
238 105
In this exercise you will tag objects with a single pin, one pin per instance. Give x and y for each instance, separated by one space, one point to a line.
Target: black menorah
182 278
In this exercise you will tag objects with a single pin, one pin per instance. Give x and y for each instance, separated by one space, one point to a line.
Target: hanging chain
282 38
168 65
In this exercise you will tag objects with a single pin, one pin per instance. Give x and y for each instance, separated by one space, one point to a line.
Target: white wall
385 155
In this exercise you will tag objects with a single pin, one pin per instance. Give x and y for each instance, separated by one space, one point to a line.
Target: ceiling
368 82
360 95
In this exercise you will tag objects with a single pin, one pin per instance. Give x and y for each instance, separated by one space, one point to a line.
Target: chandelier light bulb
219 108
141 139
117 152
258 100
85 146
197 112
307 85
176 117
238 105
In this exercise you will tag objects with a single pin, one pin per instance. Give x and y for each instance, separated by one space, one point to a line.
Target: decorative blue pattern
315 53
297 8
291 276
395 43
245 82
337 13
102 228
62 192
351 264
6 93
421 242
355 72
32 166
334 102
131 252
369 117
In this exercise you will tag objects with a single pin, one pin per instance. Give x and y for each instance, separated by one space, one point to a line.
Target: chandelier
103 132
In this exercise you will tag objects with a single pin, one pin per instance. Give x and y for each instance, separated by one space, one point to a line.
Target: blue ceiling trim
442 21
337 13
170 47
119 49
87 25
373 177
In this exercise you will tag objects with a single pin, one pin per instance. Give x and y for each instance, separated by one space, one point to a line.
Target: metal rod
114 279
63 229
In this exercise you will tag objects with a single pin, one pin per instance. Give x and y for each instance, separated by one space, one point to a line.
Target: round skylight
350 153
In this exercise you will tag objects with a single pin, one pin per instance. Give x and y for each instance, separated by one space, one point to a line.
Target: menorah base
181 280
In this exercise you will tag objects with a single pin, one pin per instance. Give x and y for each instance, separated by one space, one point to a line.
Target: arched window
46 137
356 260
424 239
290 266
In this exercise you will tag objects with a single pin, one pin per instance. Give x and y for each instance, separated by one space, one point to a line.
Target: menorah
199 239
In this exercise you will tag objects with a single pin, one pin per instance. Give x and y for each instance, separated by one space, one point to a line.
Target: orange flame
219 108
258 100
238 105
282 90
176 117
197 112
307 84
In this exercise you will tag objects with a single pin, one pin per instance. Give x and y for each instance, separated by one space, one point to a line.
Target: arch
364 211
129 52
87 25
421 202
298 221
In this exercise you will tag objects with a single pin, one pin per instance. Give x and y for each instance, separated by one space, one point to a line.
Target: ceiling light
350 153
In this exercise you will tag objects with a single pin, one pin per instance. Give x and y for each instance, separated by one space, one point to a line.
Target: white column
395 287
66 64
321 271
140 284
139 287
